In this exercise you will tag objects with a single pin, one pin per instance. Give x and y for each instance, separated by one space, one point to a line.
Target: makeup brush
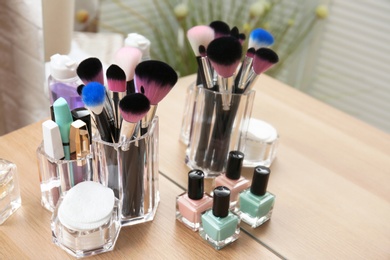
224 54
127 59
260 38
90 70
220 28
133 108
197 36
244 70
116 81
154 79
263 60
234 32
93 96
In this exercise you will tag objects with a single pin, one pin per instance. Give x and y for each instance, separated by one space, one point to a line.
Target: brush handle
243 74
116 98
104 126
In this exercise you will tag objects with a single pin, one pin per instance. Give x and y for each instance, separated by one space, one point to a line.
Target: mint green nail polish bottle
255 203
219 226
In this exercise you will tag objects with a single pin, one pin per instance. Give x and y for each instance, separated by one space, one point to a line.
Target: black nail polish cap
260 180
221 201
234 165
195 184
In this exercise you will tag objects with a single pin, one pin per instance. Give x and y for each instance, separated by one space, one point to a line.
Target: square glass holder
130 169
10 199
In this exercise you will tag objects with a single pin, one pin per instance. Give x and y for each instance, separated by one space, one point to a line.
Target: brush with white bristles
263 60
155 79
127 59
201 35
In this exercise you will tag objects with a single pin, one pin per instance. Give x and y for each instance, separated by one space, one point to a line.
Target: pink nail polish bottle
192 203
232 178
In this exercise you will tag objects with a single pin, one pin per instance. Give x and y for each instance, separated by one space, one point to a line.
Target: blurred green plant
290 22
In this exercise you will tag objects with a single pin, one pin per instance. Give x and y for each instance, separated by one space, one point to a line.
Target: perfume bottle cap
195 184
234 165
221 201
260 180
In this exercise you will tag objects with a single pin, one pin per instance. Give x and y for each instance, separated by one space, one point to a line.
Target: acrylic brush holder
130 169
219 124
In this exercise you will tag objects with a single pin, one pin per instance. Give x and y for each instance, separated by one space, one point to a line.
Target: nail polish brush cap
260 180
195 184
221 201
234 165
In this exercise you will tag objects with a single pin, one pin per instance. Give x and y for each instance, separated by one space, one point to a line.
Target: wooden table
331 179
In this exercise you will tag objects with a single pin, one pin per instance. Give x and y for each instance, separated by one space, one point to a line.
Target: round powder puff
86 206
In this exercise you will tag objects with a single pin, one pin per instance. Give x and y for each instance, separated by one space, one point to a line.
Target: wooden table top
331 179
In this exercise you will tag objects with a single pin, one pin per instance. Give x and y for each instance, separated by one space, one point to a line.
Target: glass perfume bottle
191 204
232 178
255 204
219 226
63 81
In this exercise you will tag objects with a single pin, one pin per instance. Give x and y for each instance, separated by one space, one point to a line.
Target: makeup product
63 81
259 38
201 35
49 176
84 115
116 81
86 220
79 143
94 96
261 144
232 177
192 203
140 42
220 28
10 199
255 204
63 119
219 226
154 79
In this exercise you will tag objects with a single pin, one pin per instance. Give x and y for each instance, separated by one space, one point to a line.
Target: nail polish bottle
232 178
191 204
219 226
255 204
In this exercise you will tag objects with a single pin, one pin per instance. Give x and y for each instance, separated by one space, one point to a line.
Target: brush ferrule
226 86
145 122
126 134
244 74
207 73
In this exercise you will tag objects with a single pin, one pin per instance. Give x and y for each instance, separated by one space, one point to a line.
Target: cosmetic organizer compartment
10 199
130 169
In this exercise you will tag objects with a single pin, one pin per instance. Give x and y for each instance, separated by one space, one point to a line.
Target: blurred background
336 51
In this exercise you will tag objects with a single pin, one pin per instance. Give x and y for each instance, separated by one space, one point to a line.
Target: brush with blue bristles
94 95
259 38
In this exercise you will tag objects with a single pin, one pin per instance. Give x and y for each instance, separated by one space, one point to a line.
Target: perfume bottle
232 178
63 81
191 204
219 226
255 204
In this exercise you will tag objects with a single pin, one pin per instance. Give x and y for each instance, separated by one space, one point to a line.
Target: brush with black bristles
221 29
116 81
154 79
127 58
133 108
91 70
225 54
263 60
198 36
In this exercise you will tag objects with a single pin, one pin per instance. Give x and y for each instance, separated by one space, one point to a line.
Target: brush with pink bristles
133 108
263 60
225 54
116 81
201 35
90 70
155 79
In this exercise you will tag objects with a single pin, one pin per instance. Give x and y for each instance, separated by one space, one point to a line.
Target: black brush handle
104 126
